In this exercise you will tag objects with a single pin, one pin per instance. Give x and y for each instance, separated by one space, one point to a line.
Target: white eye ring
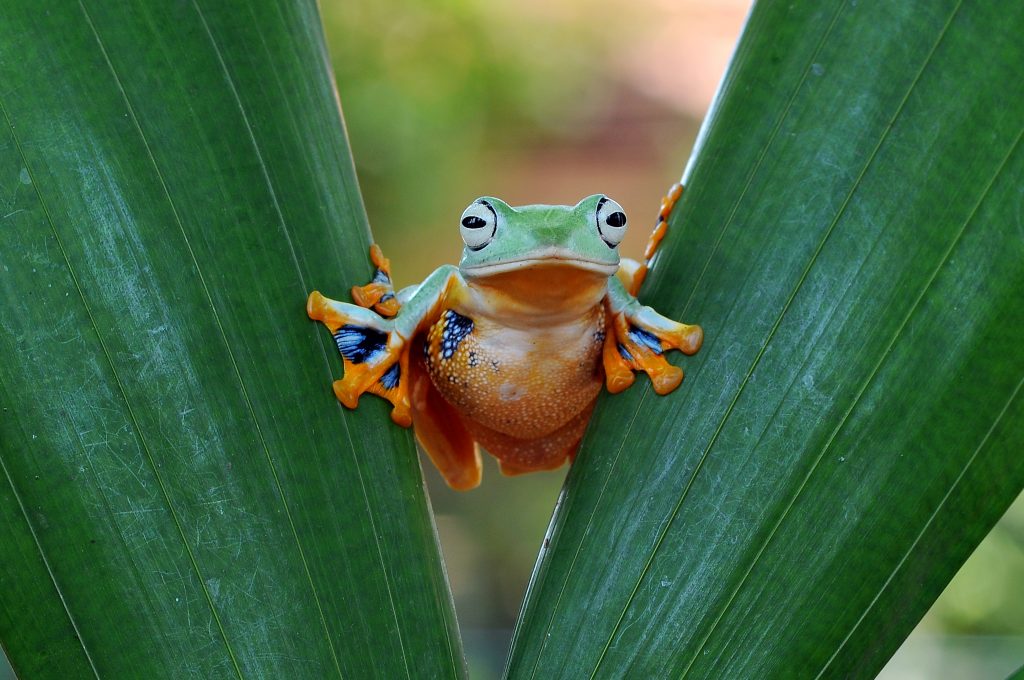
478 224
611 221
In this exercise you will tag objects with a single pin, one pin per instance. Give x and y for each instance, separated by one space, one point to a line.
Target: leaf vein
761 156
760 354
646 388
853 405
46 563
220 327
924 529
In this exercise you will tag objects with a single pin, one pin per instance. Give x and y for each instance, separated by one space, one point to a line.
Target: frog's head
501 239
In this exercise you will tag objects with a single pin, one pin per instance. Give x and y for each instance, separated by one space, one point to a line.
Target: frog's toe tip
401 416
378 259
361 298
314 303
388 306
463 481
619 381
345 394
693 338
667 380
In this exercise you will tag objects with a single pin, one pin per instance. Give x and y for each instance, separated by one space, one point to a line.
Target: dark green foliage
182 494
852 243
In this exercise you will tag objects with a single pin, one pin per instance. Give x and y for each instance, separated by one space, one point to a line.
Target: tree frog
507 352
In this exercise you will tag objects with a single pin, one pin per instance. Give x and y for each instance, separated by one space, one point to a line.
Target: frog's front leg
375 350
637 338
372 354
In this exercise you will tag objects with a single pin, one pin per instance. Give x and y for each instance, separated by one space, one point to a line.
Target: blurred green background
537 101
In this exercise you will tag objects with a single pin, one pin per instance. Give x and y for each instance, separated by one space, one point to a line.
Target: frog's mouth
554 257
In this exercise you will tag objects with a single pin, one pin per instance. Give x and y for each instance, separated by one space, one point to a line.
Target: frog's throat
551 292
544 258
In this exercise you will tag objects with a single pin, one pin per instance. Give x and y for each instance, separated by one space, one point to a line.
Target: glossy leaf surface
181 494
852 241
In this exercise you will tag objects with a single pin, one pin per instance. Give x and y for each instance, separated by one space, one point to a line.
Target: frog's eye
478 225
611 221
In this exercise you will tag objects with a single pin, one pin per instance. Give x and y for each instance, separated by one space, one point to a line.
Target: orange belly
518 384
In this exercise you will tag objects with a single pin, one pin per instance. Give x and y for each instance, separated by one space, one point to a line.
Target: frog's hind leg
633 273
510 468
379 293
440 431
518 456
629 273
375 359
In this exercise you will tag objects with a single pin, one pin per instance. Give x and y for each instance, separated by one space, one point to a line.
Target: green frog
508 350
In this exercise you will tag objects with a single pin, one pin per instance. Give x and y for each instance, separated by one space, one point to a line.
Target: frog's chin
554 257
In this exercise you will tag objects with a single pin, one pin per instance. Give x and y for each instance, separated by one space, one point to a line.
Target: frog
507 352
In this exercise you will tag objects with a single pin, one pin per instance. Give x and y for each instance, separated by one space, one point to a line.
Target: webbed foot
379 293
637 339
376 358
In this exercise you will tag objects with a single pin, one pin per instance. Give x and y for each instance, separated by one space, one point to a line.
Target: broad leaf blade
182 493
851 242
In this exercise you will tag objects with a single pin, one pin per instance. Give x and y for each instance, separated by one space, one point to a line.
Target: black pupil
473 222
616 219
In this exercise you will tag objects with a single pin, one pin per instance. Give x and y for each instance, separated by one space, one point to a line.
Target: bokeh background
548 101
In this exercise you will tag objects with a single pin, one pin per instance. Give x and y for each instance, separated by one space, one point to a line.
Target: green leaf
181 494
852 242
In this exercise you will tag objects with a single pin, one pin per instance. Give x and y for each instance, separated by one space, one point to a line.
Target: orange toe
618 373
666 379
629 348
345 394
693 338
